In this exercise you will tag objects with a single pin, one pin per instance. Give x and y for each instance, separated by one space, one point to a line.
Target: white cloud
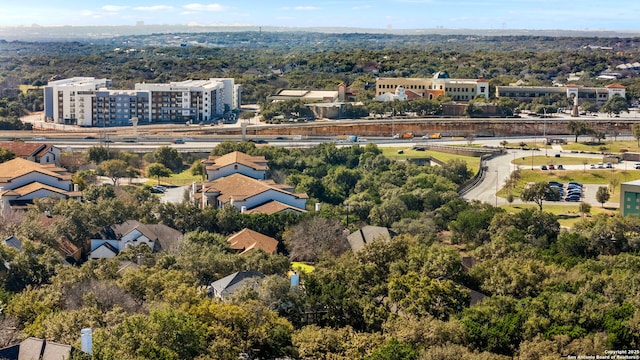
154 8
205 7
114 8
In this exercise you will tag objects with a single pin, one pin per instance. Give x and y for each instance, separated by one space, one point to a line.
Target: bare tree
312 238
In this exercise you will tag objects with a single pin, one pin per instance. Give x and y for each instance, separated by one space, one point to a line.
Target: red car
551 167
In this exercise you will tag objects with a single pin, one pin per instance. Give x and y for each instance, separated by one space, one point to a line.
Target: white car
396 136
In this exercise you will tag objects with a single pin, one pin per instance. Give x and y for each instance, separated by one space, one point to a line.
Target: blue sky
380 14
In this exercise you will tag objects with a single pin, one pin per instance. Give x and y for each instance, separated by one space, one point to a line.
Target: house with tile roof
247 240
249 194
111 240
36 152
236 163
22 181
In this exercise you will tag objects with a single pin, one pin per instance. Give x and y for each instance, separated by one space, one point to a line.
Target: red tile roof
273 207
615 86
18 167
23 149
246 240
236 157
241 187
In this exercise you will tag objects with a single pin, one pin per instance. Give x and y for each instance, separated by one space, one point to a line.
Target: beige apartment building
388 89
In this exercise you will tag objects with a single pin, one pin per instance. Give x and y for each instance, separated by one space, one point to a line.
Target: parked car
574 183
600 166
560 167
609 165
543 167
157 189
637 167
592 166
572 198
555 183
551 167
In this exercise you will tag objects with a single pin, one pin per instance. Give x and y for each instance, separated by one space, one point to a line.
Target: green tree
167 156
158 170
615 105
394 350
578 128
6 155
536 193
113 169
635 130
602 195
98 154
584 208
197 169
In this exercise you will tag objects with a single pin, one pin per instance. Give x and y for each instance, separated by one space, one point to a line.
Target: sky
377 14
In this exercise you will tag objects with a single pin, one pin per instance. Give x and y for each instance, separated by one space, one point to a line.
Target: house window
235 167
482 88
46 159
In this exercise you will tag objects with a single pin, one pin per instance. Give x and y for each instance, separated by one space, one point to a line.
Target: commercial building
85 101
596 95
630 198
389 89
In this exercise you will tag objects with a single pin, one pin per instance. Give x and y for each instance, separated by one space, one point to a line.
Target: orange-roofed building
40 153
246 240
236 163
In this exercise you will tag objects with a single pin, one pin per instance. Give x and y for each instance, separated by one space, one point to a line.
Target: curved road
500 167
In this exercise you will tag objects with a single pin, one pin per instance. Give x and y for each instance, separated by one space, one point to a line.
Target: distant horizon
390 15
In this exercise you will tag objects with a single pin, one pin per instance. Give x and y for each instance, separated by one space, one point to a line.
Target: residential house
37 349
22 180
230 284
36 152
247 240
113 239
236 163
13 242
247 194
367 234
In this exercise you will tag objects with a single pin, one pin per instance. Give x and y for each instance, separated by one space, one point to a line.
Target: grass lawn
589 177
180 179
409 153
302 267
612 146
568 215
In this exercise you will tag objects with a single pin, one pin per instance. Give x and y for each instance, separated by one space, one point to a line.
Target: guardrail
479 177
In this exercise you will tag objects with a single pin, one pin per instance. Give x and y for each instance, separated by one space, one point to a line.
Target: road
500 167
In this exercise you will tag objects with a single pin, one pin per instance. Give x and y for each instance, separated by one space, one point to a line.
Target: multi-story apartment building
196 100
67 100
89 102
439 84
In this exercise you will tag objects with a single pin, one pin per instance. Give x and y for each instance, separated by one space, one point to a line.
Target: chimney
86 340
193 188
317 207
76 187
243 209
295 279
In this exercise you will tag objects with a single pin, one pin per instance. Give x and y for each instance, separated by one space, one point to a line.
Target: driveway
174 194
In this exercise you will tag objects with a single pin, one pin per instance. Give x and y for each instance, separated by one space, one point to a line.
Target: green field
409 153
568 215
611 146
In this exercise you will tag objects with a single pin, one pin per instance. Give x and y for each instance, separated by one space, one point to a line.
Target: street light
496 187
544 129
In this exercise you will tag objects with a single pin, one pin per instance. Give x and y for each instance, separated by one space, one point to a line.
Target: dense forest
545 291
266 62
